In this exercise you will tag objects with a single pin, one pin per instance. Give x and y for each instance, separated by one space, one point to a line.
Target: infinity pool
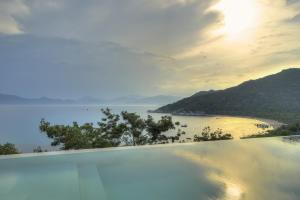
256 169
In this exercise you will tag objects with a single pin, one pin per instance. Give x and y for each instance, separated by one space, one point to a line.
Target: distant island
6 99
274 97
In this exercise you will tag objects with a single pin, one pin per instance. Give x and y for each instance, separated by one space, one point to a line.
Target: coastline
272 122
275 124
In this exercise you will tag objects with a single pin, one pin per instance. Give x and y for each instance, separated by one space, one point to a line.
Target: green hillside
276 97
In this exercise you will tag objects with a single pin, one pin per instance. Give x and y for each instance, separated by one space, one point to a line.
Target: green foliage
7 149
155 129
135 127
86 136
262 126
178 134
113 130
274 97
209 135
110 130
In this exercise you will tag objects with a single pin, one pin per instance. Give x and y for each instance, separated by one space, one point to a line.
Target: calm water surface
19 124
254 169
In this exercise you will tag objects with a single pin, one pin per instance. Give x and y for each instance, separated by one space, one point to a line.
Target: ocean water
253 169
19 124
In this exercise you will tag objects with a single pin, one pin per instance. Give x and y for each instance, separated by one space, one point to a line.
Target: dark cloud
94 58
162 26
121 47
292 1
296 19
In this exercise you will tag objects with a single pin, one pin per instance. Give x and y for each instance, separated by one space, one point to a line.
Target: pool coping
67 152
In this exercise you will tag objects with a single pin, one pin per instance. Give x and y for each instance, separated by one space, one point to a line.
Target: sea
19 124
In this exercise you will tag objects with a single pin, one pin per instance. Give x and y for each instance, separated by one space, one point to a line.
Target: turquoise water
19 124
256 169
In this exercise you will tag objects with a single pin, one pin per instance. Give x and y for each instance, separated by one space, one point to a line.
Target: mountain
276 97
131 100
125 99
139 100
11 99
89 100
157 100
16 100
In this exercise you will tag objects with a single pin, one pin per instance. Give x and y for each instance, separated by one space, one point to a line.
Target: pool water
267 168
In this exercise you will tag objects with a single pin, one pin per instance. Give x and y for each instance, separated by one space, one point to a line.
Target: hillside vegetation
276 97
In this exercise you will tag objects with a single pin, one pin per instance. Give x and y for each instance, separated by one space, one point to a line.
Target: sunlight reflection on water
19 124
267 168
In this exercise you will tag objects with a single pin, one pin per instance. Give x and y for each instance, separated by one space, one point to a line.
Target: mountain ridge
275 96
8 99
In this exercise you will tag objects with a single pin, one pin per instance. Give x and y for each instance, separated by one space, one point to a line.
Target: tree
208 135
113 130
8 148
135 127
205 133
155 129
178 135
110 129
107 134
70 137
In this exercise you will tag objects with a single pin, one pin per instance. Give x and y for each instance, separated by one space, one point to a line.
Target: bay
19 123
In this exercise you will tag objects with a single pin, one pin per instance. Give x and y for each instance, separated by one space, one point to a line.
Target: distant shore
274 123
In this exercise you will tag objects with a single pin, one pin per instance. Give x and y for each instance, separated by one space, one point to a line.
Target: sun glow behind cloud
234 50
238 16
192 44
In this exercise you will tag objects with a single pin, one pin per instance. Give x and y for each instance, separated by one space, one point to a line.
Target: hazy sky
109 48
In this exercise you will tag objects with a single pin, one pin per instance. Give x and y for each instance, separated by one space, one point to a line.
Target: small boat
184 125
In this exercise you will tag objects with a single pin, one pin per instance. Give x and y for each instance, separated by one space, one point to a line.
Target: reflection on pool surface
255 169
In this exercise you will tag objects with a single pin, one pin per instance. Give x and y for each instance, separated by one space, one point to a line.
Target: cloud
9 9
222 62
292 1
158 46
39 66
149 32
161 26
296 18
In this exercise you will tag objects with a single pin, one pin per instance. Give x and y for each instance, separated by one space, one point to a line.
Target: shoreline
274 123
271 122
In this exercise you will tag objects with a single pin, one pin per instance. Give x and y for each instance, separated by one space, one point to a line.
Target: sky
111 48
